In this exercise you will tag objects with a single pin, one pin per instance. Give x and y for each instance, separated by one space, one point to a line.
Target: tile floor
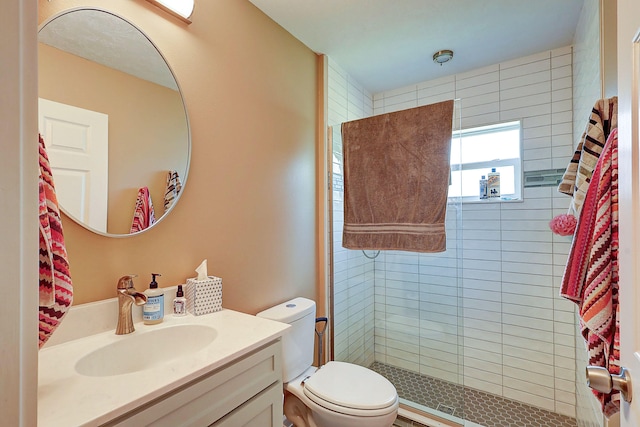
473 405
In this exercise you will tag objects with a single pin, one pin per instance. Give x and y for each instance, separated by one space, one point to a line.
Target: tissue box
204 296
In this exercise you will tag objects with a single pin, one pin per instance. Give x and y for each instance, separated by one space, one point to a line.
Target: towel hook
371 257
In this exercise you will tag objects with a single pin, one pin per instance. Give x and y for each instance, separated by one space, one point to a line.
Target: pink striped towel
591 275
55 288
143 216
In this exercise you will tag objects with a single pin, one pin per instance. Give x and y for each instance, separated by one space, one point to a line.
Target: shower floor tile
473 405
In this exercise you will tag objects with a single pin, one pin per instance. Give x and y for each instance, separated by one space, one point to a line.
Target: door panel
78 148
628 110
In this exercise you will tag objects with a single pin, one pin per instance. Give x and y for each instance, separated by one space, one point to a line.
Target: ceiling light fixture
442 56
182 9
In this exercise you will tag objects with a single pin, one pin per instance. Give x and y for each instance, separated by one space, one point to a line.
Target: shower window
476 151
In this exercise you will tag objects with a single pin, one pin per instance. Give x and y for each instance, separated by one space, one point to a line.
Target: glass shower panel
398 312
352 279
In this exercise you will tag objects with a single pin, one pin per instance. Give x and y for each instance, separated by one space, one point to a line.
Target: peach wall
249 205
148 133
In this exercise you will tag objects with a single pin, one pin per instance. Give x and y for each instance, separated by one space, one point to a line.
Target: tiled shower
486 313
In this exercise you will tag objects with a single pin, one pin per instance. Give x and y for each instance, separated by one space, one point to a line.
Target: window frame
516 162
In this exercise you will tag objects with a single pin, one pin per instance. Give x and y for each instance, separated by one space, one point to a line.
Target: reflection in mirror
113 120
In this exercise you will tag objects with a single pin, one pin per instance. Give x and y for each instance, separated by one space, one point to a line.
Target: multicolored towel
575 181
143 216
173 189
591 275
56 290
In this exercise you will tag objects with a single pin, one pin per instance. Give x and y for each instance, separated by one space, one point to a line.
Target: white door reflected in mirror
77 143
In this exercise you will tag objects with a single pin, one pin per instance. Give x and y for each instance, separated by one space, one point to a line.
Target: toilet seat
351 389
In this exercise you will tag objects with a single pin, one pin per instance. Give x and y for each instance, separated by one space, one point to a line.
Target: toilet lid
350 386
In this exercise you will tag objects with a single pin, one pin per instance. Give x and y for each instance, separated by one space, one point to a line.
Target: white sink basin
141 351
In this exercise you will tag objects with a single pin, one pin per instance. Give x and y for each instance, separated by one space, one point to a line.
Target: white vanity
220 369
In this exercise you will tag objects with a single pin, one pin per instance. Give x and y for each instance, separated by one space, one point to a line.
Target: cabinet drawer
264 410
211 397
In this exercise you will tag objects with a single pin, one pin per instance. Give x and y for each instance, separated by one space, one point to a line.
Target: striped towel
55 288
591 275
143 216
174 186
575 181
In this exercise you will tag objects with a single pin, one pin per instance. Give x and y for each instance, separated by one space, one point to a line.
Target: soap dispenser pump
153 310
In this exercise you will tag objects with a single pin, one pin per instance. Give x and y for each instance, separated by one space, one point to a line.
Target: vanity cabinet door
264 410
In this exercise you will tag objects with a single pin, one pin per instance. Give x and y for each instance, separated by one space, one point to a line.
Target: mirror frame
184 107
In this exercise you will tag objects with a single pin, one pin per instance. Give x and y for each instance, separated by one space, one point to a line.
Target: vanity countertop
67 398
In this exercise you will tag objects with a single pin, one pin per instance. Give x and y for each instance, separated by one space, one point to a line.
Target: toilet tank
297 341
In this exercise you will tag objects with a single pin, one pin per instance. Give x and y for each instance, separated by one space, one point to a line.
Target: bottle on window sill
483 188
493 184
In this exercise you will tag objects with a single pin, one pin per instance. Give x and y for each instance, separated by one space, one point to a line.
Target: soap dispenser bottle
153 310
180 303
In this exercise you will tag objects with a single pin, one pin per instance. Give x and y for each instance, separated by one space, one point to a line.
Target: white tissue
202 270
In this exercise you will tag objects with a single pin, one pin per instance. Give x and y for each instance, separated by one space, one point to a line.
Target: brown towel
396 179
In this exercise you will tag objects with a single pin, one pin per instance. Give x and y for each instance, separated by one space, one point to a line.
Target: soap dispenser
153 310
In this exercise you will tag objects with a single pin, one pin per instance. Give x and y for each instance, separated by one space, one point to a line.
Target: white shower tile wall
517 334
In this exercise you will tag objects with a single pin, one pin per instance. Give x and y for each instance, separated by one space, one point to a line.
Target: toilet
337 394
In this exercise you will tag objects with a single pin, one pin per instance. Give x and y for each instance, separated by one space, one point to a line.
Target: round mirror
113 121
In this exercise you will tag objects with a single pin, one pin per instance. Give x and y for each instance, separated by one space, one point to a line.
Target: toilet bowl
345 395
337 394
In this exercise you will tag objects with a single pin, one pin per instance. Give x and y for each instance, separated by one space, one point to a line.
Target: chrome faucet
127 295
